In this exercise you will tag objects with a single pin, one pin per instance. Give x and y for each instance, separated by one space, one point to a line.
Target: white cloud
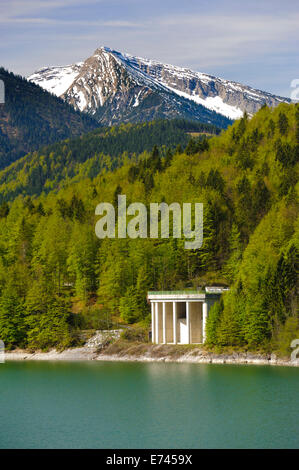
22 7
59 22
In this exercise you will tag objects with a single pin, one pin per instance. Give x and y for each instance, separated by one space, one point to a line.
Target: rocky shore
144 352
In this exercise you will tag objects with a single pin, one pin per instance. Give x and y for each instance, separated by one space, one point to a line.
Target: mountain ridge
32 117
114 86
53 165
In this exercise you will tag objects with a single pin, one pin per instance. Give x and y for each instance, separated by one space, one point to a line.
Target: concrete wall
160 316
169 321
196 322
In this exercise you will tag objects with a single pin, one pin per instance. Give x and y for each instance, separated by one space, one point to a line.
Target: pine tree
283 123
231 268
81 261
12 329
213 322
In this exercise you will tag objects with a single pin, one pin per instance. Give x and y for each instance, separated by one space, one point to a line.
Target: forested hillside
103 148
56 277
32 117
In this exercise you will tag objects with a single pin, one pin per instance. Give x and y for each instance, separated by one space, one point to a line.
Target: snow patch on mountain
214 103
56 80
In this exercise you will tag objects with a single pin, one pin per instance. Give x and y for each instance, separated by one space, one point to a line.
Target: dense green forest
32 117
57 277
101 149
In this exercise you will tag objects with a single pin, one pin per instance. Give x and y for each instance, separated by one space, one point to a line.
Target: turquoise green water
129 405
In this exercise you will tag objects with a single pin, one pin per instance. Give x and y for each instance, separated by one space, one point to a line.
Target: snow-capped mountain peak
115 87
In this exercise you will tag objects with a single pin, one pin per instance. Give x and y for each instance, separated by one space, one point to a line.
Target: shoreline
149 353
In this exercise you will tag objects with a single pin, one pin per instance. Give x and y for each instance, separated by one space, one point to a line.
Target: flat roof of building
185 291
181 295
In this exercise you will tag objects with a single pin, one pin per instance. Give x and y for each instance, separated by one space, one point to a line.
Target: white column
157 322
204 320
188 321
153 321
164 322
174 309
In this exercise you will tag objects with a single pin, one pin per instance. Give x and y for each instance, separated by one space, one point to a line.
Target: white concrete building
179 317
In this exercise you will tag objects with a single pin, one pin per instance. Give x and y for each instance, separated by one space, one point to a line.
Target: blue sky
255 43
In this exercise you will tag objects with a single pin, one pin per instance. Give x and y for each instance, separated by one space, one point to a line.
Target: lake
147 405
